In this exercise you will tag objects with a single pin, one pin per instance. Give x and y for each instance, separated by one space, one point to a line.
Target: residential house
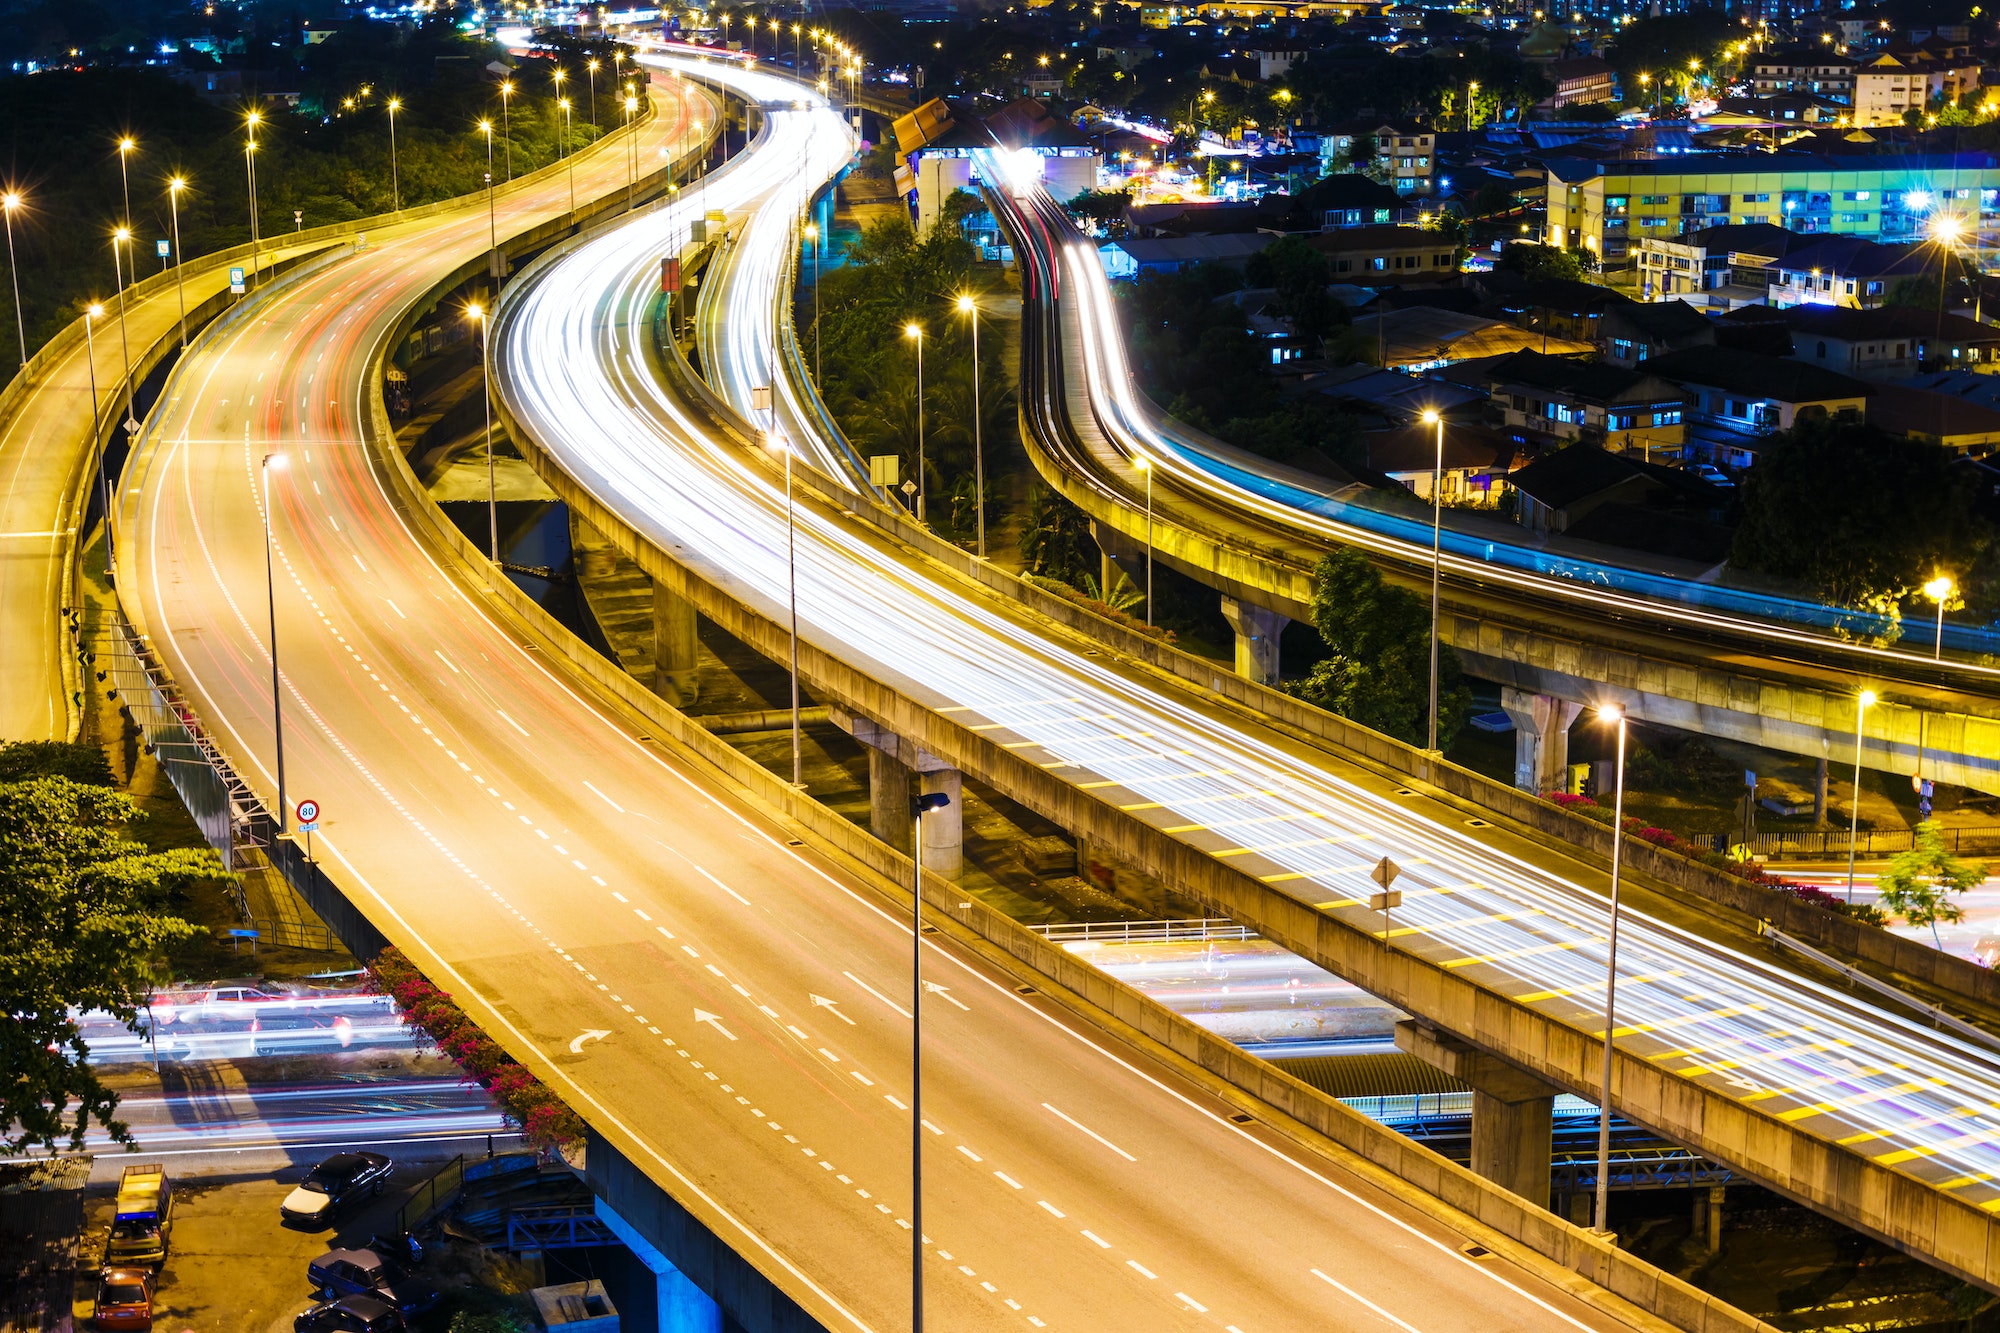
1735 397
1711 259
1407 154
1560 490
1892 342
1350 200
1132 256
1819 71
1844 271
1573 310
1634 331
1553 399
1274 60
1476 460
1578 81
1420 338
1958 424
1888 86
1388 256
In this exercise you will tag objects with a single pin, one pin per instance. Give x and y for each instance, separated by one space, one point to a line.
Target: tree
1860 517
1378 673
1547 263
1298 276
80 928
1919 884
1054 537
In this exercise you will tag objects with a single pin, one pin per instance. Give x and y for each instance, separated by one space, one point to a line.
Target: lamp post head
913 331
176 184
93 311
275 462
10 201
1430 417
475 312
395 104
1866 698
126 145
966 305
812 231
122 234
1610 712
1939 588
927 802
486 128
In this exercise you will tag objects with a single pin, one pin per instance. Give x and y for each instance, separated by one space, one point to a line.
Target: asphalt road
1514 920
723 1005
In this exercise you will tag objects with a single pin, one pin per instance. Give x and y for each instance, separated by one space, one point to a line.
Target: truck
144 1217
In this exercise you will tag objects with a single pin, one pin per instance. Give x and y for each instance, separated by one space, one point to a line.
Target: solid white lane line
1093 1133
877 994
1359 1299
606 799
511 722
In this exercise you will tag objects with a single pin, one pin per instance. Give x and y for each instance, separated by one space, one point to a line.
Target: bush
545 1122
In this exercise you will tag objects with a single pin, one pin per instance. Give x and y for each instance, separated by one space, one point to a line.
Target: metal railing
563 1227
433 1196
1870 842
1640 1169
1135 932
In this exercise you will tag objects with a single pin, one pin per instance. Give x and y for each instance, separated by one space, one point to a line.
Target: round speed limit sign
308 812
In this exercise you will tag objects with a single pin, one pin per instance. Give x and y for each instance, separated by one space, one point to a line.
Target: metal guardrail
1134 932
1855 976
1870 842
1640 1169
565 1227
433 1196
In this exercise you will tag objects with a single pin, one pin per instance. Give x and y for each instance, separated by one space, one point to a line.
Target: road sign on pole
1384 874
308 821
163 249
236 282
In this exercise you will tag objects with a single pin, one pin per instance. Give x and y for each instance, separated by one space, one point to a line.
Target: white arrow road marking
936 989
703 1016
590 1034
828 1005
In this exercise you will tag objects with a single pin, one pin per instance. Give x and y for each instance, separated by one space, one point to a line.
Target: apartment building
1709 260
1820 72
1611 206
1887 87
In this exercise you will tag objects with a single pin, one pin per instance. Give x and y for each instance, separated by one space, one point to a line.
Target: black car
350 1314
334 1184
369 1273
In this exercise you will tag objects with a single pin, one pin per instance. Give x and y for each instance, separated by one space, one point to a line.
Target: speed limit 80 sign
308 812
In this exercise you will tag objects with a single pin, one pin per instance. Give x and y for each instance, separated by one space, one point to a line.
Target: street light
966 306
273 462
563 102
631 151
9 202
93 312
1432 417
492 219
123 236
919 807
477 315
507 122
125 147
591 65
250 122
1862 703
779 443
395 177
1610 713
1471 96
174 188
812 238
1145 466
1939 590
915 333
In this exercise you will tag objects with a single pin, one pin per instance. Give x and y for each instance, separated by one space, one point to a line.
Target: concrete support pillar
1511 1110
888 799
683 1307
1541 738
1257 635
944 830
1819 790
676 648
891 761
1715 1195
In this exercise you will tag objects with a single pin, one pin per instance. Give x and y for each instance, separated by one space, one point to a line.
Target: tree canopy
1919 884
1861 517
81 927
1378 671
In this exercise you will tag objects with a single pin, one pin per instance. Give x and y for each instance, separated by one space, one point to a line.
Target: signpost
1384 874
236 282
308 821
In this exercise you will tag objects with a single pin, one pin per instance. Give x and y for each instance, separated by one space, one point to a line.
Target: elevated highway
1554 628
722 1006
1834 1101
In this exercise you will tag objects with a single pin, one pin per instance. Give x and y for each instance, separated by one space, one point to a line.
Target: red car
125 1299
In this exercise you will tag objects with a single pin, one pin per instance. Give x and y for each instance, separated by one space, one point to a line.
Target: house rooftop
1593 381
1772 378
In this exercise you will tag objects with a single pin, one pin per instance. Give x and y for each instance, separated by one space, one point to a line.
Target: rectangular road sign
670 274
236 282
1388 898
164 250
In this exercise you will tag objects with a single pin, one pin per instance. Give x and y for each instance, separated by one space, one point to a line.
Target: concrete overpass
1551 642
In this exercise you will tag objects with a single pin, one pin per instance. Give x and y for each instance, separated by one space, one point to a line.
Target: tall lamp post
812 239
1862 703
1610 713
126 146
123 236
274 462
9 203
591 65
1145 466
251 122
966 306
1939 590
507 123
92 313
1433 417
631 152
477 314
919 807
563 102
779 443
915 333
174 188
395 104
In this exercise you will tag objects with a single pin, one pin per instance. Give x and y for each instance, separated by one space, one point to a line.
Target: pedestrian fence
1138 932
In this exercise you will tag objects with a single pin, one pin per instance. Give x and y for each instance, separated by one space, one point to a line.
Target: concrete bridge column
892 759
683 1307
1511 1110
1257 634
676 648
1541 738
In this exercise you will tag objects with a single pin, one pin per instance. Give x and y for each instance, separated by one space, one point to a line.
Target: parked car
1710 473
335 1183
350 1314
124 1299
143 1218
370 1273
